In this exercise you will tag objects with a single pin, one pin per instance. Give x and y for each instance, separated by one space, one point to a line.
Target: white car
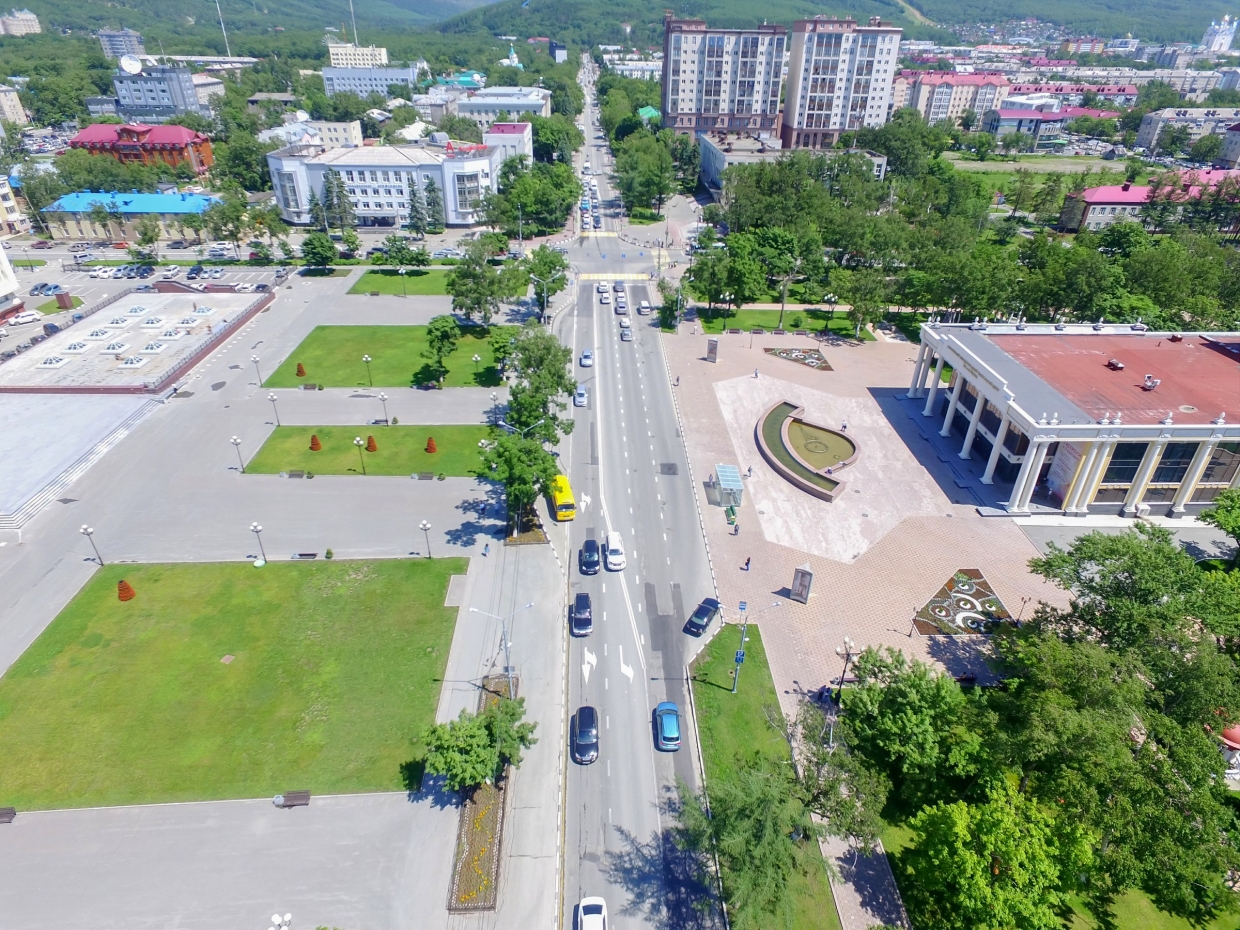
587 358
101 272
601 287
626 323
26 316
604 298
592 914
581 397
447 253
172 272
246 288
644 307
613 552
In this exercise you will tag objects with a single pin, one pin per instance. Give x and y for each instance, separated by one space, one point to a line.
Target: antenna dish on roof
131 64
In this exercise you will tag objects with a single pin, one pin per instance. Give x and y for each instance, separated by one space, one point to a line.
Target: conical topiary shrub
430 445
125 591
301 370
371 445
315 445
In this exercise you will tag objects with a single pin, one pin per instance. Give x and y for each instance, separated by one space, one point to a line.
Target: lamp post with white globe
258 534
383 400
425 527
281 923
236 444
89 533
254 359
272 397
360 443
366 359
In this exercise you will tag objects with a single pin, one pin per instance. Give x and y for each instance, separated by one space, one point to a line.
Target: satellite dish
131 64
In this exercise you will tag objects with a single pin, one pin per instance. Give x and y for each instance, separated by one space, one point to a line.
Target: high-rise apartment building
348 55
118 42
839 78
11 109
941 96
156 94
721 79
20 23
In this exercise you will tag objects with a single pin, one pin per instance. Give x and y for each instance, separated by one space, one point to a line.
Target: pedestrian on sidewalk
747 560
486 550
755 372
736 528
844 427
677 381
749 474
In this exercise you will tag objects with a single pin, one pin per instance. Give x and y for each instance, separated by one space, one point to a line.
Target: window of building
365 205
1223 464
1124 462
467 192
1173 465
348 176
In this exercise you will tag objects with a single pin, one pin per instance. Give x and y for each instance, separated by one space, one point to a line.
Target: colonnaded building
1088 419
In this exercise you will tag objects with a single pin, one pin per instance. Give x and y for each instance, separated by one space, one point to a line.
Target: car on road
26 316
582 615
447 253
52 290
592 914
618 287
79 247
644 307
581 397
702 616
626 335
626 323
613 552
601 287
178 244
587 358
120 245
584 735
588 560
598 221
41 244
667 727
37 290
604 298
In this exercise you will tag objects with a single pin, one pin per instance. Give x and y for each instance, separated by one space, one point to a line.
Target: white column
1031 481
988 477
918 370
1081 478
1195 470
1142 479
926 371
1103 459
934 387
971 433
1022 477
951 405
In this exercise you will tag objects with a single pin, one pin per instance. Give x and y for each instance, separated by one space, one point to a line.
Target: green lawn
733 725
402 450
814 319
337 669
417 281
50 306
332 356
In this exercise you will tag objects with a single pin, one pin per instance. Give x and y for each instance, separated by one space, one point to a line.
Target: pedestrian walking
736 528
747 559
486 550
755 372
749 474
678 381
844 427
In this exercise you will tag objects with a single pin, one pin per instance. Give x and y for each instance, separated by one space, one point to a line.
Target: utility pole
354 19
227 50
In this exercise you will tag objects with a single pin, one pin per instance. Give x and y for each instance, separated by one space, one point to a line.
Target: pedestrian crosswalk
614 276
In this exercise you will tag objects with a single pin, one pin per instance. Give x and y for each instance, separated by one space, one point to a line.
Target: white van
613 552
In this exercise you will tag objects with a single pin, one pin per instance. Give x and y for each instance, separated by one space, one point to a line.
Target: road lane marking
606 684
591 660
625 670
608 719
609 768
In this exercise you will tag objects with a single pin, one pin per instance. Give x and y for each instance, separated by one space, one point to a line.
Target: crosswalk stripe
618 276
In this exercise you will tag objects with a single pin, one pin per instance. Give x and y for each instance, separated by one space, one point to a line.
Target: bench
293 799
7 814
305 555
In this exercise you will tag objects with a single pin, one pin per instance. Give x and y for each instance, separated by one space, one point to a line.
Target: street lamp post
89 533
534 277
477 359
272 397
508 670
425 527
29 263
281 923
521 432
848 651
740 653
366 359
258 534
401 272
359 442
254 359
236 441
383 400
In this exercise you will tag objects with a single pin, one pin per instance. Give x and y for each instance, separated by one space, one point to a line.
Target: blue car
667 727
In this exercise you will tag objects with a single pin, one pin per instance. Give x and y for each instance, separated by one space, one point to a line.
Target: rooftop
509 129
111 134
132 203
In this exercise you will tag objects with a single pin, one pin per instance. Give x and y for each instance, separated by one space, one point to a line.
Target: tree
551 268
669 306
1022 193
442 335
463 751
1171 139
983 144
1002 864
777 250
542 366
337 204
509 731
351 240
1206 149
228 219
866 292
318 212
318 250
418 222
1225 515
434 207
555 138
476 286
745 278
242 160
147 232
754 815
644 172
460 128
968 119
525 469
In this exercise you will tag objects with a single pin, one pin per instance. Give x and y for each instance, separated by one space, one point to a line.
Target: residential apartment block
727 79
379 179
11 215
118 42
945 95
11 109
19 23
368 80
348 55
1200 121
840 76
1230 156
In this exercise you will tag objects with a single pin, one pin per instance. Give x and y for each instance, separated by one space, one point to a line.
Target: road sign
743 605
740 656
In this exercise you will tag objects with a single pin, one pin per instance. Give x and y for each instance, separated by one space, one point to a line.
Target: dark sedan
588 558
705 614
582 615
584 735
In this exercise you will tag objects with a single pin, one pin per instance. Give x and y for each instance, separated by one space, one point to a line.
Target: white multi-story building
1219 36
118 42
20 23
15 222
941 96
319 132
485 106
1200 121
11 109
512 139
1229 157
366 81
379 179
840 77
348 55
721 79
207 86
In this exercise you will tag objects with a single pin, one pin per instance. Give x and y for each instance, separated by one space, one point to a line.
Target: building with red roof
146 145
947 95
1098 207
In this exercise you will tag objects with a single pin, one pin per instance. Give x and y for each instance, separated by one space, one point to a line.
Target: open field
417 282
332 356
333 670
402 450
735 725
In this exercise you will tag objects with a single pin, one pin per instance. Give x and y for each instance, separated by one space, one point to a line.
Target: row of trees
480 283
533 199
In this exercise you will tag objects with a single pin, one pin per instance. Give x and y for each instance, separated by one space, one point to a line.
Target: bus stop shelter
728 481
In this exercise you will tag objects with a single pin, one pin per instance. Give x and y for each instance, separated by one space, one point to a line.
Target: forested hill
598 21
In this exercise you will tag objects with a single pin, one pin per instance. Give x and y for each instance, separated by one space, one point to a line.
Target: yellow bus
563 506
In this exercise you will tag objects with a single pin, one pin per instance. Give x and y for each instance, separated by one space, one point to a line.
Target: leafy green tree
555 138
442 336
1206 149
687 160
351 240
509 731
318 250
418 223
525 469
542 366
1172 139
41 190
1022 193
1225 515
242 160
434 207
644 172
318 212
460 128
147 232
551 268
708 279
1157 95
228 218
476 286
1002 864
463 751
669 306
865 291
983 144
745 277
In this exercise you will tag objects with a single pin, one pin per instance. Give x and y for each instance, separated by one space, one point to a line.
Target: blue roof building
133 204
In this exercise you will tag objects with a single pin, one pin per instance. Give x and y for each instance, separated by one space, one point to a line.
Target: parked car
37 338
178 244
447 253
644 307
215 273
582 615
26 316
120 245
604 298
194 272
41 244
145 289
50 329
172 272
52 290
583 738
613 552
588 560
702 616
37 290
246 288
667 727
262 287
